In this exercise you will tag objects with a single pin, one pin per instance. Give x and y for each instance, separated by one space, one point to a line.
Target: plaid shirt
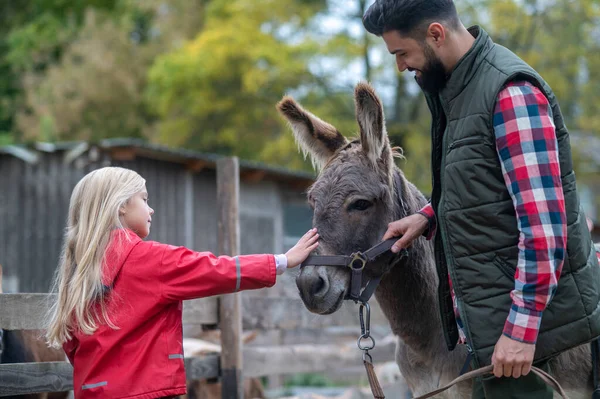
528 152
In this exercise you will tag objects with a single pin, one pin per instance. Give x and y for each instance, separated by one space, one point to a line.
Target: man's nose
401 65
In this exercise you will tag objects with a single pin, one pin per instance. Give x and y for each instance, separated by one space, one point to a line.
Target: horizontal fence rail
26 312
29 378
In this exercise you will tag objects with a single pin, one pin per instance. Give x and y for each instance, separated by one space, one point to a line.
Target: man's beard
433 75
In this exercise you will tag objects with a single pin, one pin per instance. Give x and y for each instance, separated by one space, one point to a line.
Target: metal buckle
358 257
368 346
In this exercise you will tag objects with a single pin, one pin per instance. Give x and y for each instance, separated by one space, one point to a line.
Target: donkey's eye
360 205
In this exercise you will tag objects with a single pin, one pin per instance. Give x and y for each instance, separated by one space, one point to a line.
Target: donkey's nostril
319 286
312 284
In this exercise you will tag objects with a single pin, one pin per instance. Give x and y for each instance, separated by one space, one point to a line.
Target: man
504 208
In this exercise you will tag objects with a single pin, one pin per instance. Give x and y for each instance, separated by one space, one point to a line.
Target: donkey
359 191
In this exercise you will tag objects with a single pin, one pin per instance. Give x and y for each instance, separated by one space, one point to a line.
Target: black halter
358 260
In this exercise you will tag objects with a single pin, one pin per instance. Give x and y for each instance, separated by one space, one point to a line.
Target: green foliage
206 74
38 43
217 93
5 138
33 34
85 79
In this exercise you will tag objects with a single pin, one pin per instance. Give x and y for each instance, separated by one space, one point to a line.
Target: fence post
230 318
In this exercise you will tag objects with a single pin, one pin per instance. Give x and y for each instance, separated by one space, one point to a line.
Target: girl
118 308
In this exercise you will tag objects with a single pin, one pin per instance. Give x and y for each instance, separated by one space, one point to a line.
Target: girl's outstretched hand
303 248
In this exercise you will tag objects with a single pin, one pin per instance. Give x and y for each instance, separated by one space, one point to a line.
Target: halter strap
357 262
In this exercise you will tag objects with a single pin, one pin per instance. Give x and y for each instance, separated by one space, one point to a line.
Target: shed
36 183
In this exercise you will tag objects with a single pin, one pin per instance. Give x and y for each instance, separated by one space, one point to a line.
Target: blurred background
206 74
166 87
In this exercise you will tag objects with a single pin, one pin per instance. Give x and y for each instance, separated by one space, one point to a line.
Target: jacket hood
122 241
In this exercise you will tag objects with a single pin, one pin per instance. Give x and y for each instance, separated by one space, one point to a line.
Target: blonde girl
119 305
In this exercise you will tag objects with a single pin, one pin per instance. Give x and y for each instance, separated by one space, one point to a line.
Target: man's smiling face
419 57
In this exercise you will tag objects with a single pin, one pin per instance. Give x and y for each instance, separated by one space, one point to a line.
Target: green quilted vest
477 233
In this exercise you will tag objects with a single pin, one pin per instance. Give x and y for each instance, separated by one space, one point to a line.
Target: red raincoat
146 282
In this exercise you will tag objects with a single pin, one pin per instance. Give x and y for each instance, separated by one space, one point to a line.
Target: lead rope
364 314
365 333
373 381
547 378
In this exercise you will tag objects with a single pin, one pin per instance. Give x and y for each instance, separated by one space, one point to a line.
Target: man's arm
528 152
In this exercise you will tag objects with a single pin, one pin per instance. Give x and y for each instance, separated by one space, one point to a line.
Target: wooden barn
36 183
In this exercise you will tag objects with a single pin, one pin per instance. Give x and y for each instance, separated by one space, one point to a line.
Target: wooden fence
24 311
229 312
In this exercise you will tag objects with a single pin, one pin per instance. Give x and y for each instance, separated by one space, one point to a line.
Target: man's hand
410 228
512 358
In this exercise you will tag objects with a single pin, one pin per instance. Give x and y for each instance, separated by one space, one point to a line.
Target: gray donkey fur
359 191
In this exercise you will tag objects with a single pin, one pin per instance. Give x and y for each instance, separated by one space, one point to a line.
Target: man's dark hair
409 17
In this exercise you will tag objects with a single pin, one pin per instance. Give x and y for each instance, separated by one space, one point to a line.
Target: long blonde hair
93 214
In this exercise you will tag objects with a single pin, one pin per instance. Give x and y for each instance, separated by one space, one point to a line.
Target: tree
32 35
93 92
94 89
218 92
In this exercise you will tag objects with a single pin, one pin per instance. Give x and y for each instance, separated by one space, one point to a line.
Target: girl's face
137 215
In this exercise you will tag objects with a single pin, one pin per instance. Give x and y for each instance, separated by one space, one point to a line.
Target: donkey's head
353 197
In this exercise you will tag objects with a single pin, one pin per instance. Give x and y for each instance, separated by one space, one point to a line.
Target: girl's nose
151 211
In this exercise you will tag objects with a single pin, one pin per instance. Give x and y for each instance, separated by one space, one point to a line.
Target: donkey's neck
407 294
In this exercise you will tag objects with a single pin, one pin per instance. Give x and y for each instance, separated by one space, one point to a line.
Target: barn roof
129 148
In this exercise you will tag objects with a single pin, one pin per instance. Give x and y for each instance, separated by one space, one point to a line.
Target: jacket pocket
504 267
464 141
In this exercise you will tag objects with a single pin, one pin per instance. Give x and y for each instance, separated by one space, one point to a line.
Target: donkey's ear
315 137
369 114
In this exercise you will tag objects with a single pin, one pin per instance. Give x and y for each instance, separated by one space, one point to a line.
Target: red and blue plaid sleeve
528 151
429 213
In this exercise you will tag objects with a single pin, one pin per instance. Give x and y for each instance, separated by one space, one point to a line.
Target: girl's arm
187 274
